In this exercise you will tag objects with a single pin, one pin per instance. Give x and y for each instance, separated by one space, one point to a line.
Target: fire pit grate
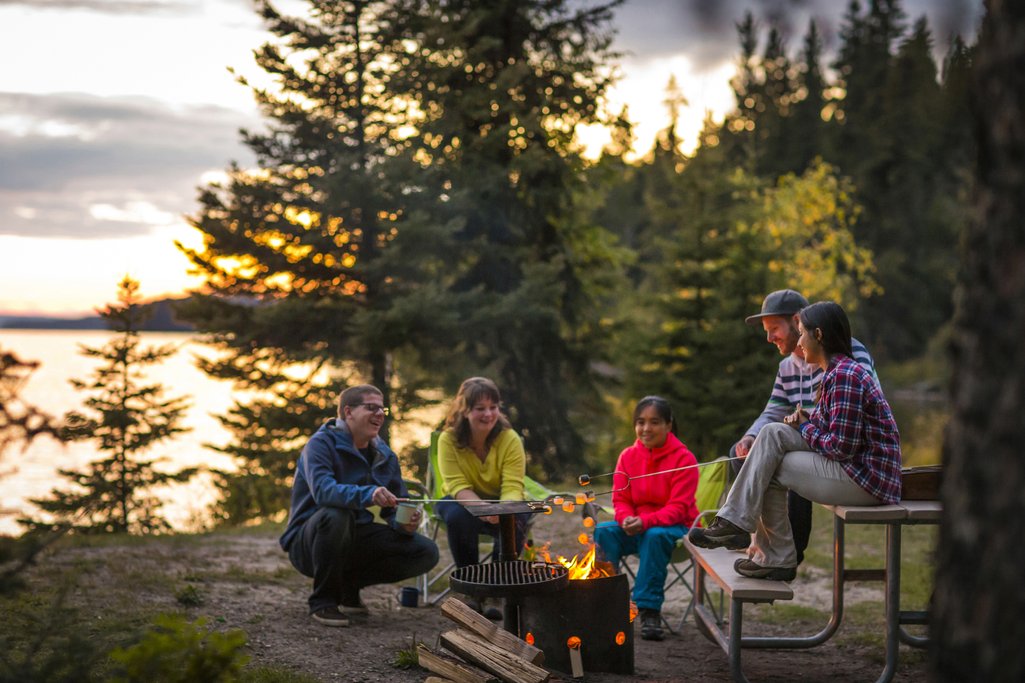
510 579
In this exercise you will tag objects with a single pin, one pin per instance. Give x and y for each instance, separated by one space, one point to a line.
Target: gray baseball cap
781 302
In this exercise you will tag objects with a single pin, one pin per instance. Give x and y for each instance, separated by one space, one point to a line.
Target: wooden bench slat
922 510
869 513
718 564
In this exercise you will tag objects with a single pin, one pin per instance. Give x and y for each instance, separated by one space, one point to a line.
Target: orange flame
633 611
584 567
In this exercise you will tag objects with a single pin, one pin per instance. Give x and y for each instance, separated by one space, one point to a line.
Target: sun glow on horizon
70 277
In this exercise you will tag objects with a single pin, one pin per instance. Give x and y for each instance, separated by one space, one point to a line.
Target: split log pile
478 651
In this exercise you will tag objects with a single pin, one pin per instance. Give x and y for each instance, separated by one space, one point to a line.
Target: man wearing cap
796 386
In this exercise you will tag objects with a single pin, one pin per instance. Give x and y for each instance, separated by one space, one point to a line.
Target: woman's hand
632 526
797 418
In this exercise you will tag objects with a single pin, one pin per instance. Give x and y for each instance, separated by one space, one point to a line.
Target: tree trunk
979 601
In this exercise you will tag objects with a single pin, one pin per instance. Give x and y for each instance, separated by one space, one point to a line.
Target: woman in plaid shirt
846 452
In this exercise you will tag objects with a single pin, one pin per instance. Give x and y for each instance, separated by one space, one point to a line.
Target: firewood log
508 666
450 667
466 617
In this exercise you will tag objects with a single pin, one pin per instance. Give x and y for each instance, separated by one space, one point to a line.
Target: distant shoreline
162 320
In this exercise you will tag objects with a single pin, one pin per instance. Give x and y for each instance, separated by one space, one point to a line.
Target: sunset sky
112 112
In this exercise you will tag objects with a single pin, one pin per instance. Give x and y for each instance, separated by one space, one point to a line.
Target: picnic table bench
717 565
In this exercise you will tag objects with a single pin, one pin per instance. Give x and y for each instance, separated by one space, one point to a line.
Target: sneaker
356 610
651 624
330 616
746 567
721 534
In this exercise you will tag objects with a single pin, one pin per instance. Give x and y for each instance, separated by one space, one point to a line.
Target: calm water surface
32 473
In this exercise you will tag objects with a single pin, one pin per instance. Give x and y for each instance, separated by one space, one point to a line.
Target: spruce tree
127 419
502 86
312 279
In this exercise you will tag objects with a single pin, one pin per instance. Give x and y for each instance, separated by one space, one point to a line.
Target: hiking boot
746 567
651 624
330 616
721 534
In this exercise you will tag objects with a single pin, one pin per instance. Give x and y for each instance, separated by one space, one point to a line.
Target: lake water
32 473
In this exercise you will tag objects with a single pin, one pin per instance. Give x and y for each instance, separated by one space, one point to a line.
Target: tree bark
979 601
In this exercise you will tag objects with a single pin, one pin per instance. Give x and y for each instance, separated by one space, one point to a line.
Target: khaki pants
781 459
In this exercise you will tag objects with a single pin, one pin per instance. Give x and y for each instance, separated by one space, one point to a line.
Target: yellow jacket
500 476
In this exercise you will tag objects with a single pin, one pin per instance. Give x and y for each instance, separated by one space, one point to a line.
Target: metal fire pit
597 611
510 579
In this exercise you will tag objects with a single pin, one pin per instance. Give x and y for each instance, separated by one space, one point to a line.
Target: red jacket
661 500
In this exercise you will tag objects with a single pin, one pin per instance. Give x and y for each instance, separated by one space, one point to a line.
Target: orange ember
633 611
529 638
620 638
573 642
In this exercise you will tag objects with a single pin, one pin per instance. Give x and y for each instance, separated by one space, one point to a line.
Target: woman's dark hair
661 406
829 318
472 391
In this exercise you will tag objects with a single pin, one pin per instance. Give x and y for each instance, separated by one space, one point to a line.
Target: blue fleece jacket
332 472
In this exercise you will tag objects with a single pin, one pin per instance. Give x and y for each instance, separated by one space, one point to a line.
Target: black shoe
721 534
330 616
746 567
651 624
356 610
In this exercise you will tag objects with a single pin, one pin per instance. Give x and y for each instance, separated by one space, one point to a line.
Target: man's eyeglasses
373 408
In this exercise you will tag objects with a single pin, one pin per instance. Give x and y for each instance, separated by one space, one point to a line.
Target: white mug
404 513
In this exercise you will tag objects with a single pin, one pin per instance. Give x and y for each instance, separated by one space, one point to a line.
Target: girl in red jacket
652 513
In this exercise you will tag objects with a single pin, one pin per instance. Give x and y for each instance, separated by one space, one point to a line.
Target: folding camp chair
713 480
432 523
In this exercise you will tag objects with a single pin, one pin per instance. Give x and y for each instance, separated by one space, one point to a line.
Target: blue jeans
342 557
464 532
654 546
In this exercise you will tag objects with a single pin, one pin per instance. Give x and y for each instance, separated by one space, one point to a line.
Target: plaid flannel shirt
853 424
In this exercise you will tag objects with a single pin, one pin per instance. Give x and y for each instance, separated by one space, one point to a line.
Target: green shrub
176 651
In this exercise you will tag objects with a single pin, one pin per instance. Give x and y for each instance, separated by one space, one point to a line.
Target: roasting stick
585 479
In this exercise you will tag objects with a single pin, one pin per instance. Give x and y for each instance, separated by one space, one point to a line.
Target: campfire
587 625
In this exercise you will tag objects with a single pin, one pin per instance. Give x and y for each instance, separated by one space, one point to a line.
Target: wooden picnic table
718 565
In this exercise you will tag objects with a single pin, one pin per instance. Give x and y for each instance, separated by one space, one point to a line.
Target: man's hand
384 498
743 446
632 526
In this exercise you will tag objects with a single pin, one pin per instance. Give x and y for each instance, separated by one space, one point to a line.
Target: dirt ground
246 582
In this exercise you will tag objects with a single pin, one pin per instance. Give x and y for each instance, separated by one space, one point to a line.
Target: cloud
108 6
82 166
705 30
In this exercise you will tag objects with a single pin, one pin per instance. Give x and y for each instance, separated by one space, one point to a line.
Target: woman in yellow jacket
480 456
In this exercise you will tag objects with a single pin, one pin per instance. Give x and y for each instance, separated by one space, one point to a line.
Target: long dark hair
472 391
661 406
829 318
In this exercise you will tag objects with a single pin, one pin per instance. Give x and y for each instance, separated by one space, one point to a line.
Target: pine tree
807 131
502 86
126 418
314 277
